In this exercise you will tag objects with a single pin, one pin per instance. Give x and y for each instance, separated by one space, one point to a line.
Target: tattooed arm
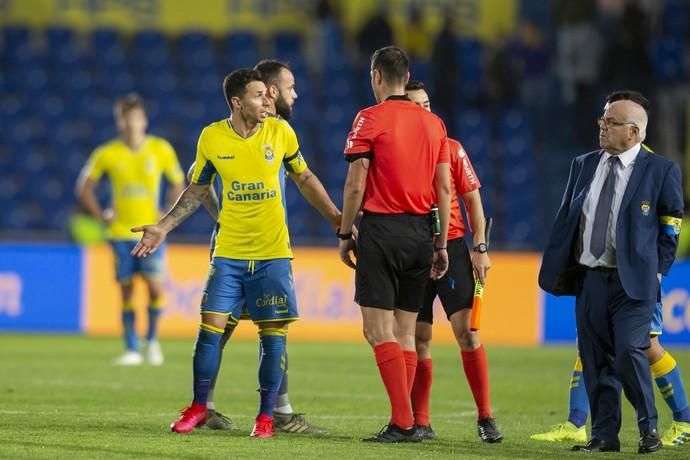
211 200
154 235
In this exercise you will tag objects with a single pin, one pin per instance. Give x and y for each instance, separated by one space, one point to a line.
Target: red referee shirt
404 142
463 180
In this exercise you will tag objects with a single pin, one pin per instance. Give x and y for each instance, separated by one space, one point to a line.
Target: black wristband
441 249
343 236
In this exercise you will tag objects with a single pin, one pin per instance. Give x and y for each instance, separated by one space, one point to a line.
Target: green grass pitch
60 397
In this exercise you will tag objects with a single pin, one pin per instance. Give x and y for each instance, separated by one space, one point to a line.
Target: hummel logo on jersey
226 157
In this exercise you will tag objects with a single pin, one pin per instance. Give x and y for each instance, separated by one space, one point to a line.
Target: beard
283 109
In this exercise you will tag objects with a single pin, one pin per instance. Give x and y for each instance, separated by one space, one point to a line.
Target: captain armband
295 163
671 225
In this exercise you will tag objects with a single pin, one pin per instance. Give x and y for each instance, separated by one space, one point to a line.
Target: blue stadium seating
676 19
14 36
56 107
471 59
668 57
105 39
241 50
519 177
286 44
57 37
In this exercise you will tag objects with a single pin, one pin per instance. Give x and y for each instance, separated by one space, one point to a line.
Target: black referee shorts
455 288
394 253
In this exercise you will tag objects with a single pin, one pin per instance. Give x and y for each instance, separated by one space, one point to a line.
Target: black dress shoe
649 442
598 445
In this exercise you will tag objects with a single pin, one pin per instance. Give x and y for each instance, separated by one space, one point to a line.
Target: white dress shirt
623 172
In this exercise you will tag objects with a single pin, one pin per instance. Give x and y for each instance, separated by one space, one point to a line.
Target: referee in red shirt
398 155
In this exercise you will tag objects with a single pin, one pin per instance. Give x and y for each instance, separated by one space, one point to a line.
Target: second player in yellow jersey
135 178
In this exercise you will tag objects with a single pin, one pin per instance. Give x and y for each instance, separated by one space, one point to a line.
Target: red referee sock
411 367
477 373
389 358
421 392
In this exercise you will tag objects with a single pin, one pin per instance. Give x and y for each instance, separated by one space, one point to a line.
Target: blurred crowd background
519 82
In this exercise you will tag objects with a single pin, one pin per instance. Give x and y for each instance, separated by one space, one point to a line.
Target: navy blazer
646 231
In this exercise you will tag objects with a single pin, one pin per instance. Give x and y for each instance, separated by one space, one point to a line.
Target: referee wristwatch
481 248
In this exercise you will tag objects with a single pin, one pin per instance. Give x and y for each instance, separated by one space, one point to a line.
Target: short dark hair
127 103
270 70
392 62
235 83
629 95
414 85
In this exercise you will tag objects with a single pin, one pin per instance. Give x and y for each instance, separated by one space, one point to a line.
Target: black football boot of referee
425 432
393 433
488 432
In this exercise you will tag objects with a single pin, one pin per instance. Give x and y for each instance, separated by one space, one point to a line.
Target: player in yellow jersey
135 163
251 259
281 95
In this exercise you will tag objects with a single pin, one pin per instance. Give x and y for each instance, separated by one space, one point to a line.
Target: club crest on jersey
268 152
645 207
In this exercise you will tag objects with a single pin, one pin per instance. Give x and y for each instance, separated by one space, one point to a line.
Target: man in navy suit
615 234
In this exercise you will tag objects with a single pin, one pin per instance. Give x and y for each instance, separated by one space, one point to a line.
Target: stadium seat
242 40
286 43
12 106
194 41
472 122
20 216
471 60
22 133
150 52
36 161
57 217
10 184
57 37
199 62
241 50
515 136
196 54
675 19
419 69
149 39
105 39
668 58
113 59
5 158
15 36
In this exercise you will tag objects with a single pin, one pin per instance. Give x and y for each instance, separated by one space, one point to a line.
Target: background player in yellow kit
135 163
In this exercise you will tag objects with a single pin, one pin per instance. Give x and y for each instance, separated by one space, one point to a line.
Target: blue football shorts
127 265
263 288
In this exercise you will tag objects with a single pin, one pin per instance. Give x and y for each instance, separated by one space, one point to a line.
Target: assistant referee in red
398 154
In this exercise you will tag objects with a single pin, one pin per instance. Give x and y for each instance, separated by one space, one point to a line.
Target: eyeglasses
607 123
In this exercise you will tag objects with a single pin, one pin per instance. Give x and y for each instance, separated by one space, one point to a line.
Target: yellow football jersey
135 179
252 221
